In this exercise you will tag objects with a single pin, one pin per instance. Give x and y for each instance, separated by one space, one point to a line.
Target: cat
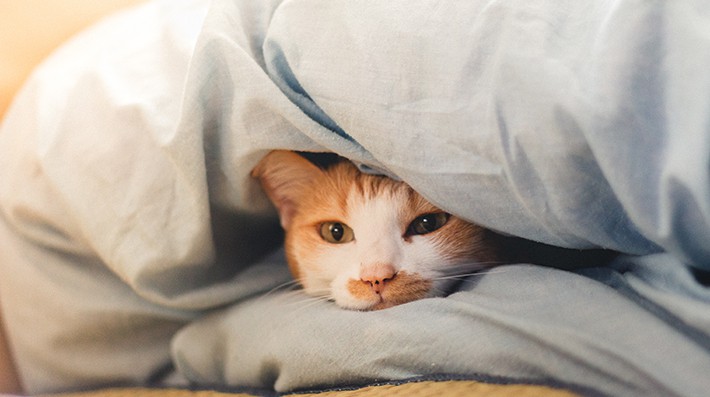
365 241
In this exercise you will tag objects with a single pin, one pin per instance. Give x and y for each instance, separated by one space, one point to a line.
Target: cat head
367 241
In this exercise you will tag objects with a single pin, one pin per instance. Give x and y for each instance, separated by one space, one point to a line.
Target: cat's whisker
289 285
436 291
297 292
320 294
478 265
307 299
292 287
466 268
305 303
443 291
283 294
463 276
454 282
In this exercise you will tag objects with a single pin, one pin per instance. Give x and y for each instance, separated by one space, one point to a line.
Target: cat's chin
384 305
369 306
347 301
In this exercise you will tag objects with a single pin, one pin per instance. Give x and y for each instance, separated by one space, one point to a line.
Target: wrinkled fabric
518 321
132 236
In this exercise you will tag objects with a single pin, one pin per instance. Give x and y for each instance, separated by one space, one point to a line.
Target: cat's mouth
401 288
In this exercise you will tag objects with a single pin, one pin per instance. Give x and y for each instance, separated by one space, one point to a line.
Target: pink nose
377 275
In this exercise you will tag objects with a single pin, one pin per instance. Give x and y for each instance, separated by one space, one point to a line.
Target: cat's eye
336 232
427 223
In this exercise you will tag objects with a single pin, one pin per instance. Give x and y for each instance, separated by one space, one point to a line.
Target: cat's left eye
336 232
427 223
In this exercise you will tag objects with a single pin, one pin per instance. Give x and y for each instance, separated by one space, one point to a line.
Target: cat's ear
285 177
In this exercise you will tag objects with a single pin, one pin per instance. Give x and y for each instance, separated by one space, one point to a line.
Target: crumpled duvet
132 237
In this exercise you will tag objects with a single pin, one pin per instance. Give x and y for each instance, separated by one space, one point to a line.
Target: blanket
135 241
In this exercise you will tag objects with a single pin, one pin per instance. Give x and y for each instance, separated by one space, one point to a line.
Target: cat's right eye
336 232
427 223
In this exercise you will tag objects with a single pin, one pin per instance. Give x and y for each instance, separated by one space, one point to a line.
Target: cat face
365 241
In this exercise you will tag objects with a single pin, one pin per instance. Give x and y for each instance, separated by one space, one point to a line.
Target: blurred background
31 29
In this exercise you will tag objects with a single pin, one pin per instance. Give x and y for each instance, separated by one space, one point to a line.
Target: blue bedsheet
133 237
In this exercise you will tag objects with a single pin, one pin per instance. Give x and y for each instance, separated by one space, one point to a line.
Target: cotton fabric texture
132 236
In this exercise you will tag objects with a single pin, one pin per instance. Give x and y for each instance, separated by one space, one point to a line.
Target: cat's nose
377 276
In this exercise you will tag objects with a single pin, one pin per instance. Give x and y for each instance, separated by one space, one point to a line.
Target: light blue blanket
132 236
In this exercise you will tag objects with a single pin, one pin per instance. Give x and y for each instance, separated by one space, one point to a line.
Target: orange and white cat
366 241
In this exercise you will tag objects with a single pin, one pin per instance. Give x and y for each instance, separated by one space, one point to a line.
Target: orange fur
403 288
306 196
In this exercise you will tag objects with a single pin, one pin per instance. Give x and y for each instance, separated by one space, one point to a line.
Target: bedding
134 240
